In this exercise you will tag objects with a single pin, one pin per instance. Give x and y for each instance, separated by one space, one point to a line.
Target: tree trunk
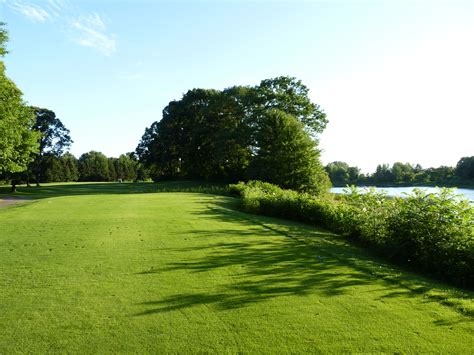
37 170
13 186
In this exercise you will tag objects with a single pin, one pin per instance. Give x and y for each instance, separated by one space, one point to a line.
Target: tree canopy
341 173
291 96
54 140
219 135
465 168
3 40
18 139
94 166
287 156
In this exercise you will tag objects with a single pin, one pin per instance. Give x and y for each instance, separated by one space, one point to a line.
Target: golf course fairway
106 272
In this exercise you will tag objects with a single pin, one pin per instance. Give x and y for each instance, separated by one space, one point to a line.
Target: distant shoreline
459 186
400 191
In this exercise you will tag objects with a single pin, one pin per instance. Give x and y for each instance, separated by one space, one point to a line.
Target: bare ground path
8 201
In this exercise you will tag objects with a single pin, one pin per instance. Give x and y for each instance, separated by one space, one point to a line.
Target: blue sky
394 77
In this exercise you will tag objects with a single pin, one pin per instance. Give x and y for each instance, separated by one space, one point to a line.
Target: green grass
115 268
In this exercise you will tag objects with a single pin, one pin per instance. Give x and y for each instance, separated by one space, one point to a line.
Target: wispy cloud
32 12
91 32
58 7
86 29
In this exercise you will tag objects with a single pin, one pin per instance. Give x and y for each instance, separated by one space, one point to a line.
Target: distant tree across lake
404 174
465 168
342 174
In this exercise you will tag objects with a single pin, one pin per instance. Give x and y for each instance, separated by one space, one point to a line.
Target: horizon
395 79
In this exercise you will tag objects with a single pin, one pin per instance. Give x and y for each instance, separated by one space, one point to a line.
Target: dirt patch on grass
8 201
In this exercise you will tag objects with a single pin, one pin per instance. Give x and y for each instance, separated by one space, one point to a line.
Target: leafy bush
372 213
268 199
435 232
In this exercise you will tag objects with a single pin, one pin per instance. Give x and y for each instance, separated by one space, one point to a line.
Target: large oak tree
217 135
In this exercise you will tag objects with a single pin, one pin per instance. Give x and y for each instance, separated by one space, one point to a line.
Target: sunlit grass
112 268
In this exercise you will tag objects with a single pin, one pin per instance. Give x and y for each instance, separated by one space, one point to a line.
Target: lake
398 191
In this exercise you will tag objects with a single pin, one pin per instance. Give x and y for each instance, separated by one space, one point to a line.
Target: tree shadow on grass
305 261
259 271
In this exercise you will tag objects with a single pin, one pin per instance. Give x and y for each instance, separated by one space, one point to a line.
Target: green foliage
53 169
341 174
94 166
287 156
219 135
126 168
436 232
465 168
404 174
69 168
18 141
383 174
433 232
200 136
112 167
54 140
268 199
3 40
443 175
371 214
290 95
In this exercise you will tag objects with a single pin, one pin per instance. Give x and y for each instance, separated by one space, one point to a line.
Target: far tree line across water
404 174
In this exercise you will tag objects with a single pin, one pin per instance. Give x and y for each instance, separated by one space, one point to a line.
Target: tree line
403 174
53 163
91 166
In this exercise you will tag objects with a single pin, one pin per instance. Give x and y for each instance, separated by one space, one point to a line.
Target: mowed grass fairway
104 269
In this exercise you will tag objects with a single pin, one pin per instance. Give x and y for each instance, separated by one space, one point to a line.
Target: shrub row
432 232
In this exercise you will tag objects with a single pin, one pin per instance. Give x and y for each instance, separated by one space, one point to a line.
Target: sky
395 77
